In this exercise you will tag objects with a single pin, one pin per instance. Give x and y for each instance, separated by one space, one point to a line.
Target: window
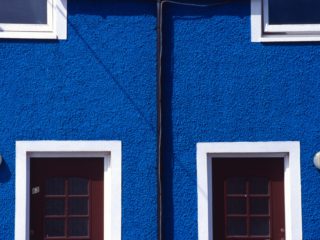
61 187
252 189
35 19
66 202
248 197
285 20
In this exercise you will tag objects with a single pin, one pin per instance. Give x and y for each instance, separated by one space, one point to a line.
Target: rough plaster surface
99 85
221 87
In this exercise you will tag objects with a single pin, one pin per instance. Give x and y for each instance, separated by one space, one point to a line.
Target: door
248 199
66 199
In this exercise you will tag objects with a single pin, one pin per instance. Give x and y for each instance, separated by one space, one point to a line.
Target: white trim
56 27
256 22
262 31
109 150
290 151
60 23
292 28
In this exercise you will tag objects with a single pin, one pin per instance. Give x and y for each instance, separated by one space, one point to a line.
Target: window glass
55 206
259 185
294 11
236 185
78 227
78 206
55 186
23 11
78 186
259 226
236 226
54 227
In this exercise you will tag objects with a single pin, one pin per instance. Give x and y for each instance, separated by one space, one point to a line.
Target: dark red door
66 198
248 199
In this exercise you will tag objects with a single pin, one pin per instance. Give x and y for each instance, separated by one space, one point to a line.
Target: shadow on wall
5 173
172 13
107 8
103 8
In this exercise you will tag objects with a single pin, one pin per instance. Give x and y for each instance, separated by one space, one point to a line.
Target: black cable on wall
160 172
159 118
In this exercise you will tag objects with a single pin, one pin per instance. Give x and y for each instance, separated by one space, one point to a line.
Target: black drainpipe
160 173
159 118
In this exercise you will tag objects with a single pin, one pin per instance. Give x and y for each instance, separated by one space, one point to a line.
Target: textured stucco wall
97 85
101 84
221 87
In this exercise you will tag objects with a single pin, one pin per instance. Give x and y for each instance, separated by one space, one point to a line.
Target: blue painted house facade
231 89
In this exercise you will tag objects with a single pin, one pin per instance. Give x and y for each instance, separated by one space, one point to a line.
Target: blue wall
99 84
221 87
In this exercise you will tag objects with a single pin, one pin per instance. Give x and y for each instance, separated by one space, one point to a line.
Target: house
159 120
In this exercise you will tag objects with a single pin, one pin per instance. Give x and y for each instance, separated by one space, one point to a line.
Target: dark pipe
160 3
159 118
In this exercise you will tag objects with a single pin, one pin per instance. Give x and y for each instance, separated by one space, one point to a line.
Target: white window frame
109 150
263 31
290 151
56 27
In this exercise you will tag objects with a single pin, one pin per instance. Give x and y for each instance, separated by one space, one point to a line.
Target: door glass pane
236 185
259 185
54 227
23 11
54 207
259 226
78 227
259 206
236 226
294 11
55 186
236 205
78 206
78 186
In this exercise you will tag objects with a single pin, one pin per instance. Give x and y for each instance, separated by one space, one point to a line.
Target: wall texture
221 87
99 85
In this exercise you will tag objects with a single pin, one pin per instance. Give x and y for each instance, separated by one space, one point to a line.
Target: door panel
66 198
248 198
